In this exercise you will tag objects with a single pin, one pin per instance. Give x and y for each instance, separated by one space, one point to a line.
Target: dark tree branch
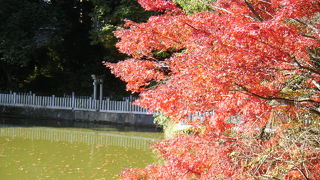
295 102
306 24
253 10
304 175
311 37
274 98
304 67
203 31
295 60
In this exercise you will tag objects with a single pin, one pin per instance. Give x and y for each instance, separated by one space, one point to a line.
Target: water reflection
73 136
68 152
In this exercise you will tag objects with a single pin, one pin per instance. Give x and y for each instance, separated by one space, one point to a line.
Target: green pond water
72 152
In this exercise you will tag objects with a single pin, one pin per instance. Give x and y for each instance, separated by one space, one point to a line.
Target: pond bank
123 118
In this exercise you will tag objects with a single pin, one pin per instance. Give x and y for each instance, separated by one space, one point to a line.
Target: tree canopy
52 47
254 63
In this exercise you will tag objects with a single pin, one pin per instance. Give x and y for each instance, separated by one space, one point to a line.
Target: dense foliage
53 46
254 63
42 46
107 16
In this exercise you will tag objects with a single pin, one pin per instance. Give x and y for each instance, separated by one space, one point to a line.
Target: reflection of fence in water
56 135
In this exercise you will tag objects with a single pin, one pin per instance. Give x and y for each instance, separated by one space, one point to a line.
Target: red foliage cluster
157 5
136 73
240 61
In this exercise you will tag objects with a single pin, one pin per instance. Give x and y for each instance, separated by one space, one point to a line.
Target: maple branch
229 12
286 101
304 175
295 60
311 37
258 17
316 84
277 69
307 24
264 10
274 98
156 32
205 32
222 9
314 54
265 2
305 67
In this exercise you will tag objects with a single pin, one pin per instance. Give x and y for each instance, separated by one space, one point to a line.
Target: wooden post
33 99
128 104
101 90
73 101
14 98
94 86
53 101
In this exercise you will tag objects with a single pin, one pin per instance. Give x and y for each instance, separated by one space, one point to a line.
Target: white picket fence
70 102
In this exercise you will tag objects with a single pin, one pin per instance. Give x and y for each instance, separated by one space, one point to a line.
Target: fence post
73 101
98 103
33 99
14 97
53 101
128 104
108 104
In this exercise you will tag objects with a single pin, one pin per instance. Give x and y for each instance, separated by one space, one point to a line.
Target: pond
39 150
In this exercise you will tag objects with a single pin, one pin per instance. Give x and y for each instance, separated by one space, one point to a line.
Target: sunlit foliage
254 63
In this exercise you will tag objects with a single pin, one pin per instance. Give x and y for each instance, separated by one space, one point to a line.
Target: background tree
43 45
254 63
18 33
52 47
110 15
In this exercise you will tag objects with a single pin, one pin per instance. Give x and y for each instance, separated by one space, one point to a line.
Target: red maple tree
254 63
